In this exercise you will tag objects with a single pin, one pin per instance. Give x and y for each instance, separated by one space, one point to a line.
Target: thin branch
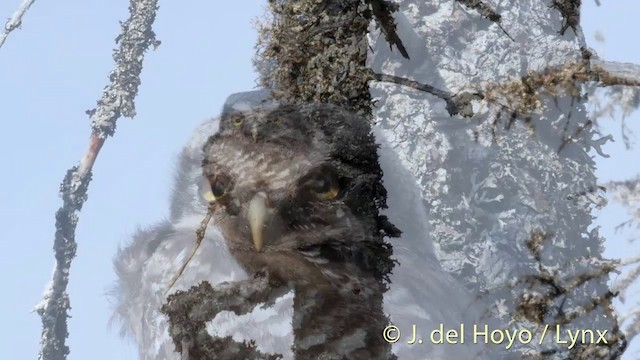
609 73
382 12
605 73
456 104
117 100
630 260
444 95
15 20
487 12
199 237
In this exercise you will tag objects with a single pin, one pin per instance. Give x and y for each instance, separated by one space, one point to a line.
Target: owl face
275 184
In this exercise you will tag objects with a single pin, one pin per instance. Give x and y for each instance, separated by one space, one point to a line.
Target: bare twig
15 20
199 237
630 260
444 95
117 100
456 103
382 12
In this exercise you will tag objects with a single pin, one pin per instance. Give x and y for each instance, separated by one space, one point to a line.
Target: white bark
15 21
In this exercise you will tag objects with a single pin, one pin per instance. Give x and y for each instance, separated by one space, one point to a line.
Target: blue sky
51 71
620 31
54 69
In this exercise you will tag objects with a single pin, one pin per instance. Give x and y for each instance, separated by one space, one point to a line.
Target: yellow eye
324 186
213 190
236 121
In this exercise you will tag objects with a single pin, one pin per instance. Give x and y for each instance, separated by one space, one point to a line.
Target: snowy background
55 67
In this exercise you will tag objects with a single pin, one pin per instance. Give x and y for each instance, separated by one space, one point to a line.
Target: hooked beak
254 132
258 215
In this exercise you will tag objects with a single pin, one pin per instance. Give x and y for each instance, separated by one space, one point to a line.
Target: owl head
298 178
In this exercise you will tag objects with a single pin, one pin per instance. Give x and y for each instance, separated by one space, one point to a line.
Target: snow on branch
117 100
189 311
15 20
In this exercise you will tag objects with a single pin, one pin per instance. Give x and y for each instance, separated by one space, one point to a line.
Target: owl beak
258 214
254 132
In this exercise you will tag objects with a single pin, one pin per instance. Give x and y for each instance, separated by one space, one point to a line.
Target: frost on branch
117 100
15 21
520 166
190 310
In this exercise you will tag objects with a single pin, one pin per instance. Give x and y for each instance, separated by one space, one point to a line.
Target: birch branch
117 100
15 20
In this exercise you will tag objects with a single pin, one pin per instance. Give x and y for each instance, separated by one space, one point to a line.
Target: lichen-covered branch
190 310
523 96
319 66
542 298
15 20
117 100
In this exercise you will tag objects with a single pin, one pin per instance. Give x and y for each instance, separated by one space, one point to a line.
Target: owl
296 191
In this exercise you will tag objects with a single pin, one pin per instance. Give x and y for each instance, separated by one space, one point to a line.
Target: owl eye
215 188
324 185
218 189
236 121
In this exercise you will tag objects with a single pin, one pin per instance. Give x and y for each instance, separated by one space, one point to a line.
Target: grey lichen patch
524 96
320 48
189 311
